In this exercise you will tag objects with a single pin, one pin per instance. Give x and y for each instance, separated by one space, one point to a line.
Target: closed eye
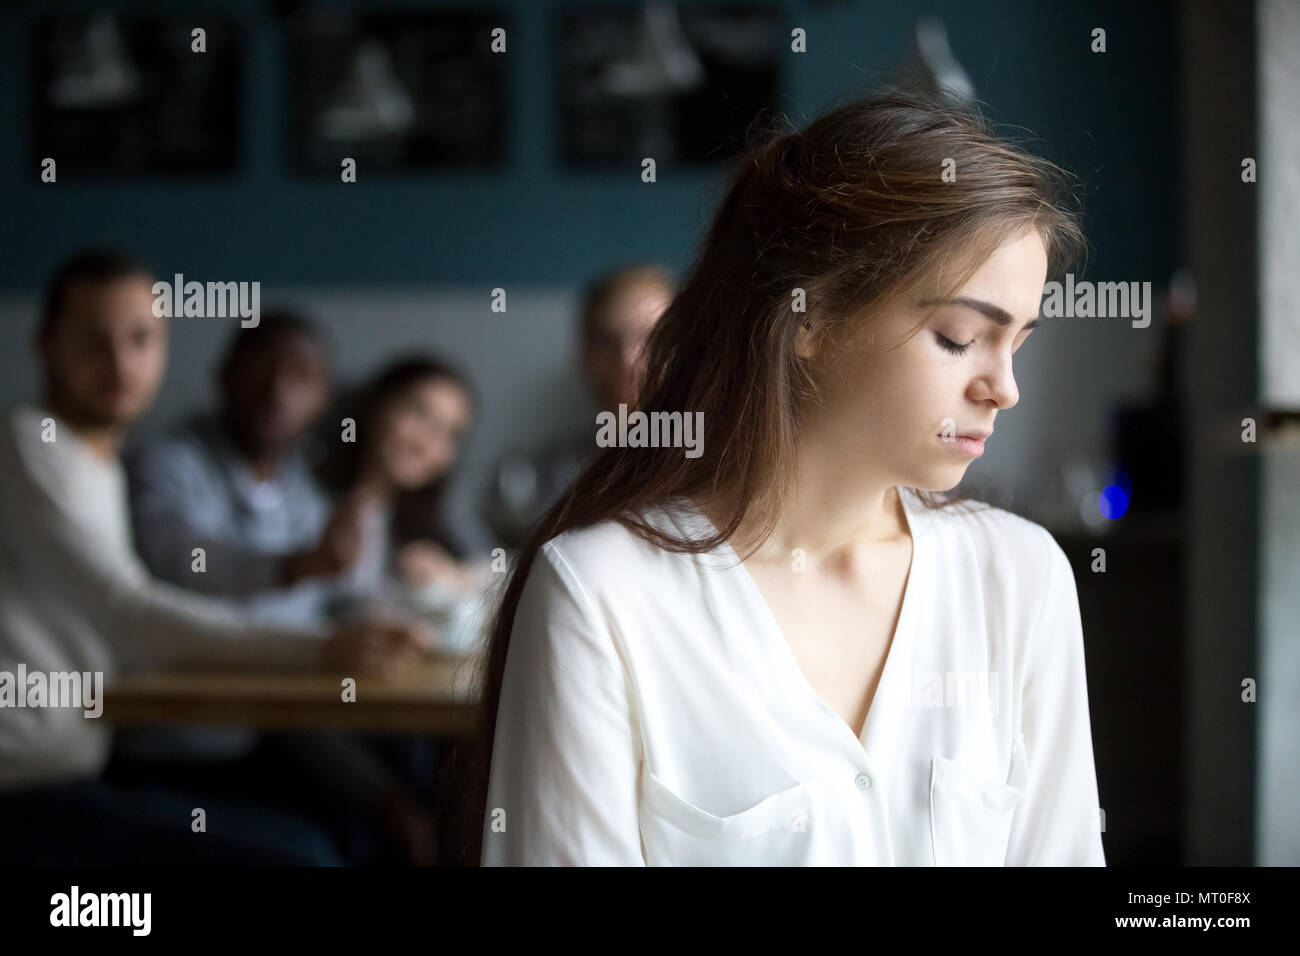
948 345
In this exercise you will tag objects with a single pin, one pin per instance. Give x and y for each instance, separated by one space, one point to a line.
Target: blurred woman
410 422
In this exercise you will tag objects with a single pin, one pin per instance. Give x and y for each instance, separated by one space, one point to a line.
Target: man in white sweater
73 595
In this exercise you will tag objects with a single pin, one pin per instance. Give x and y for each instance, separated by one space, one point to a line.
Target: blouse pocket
774 831
971 814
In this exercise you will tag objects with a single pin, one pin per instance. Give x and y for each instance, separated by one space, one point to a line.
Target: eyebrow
998 314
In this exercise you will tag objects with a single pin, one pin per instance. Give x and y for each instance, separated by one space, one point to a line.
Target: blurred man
619 310
237 483
74 598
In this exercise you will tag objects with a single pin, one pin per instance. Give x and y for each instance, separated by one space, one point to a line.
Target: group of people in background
255 535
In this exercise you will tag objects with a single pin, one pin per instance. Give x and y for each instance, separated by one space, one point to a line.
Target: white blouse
652 712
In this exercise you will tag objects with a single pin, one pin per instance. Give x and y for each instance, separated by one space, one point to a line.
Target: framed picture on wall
397 92
677 82
119 95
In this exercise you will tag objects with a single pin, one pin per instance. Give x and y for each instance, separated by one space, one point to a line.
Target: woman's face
420 432
896 416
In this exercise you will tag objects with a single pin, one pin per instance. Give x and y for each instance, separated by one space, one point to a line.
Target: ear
805 339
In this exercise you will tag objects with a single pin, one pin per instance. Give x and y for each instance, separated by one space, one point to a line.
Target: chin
121 417
272 440
408 481
130 411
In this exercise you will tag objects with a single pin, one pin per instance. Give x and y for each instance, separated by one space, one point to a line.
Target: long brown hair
857 211
417 512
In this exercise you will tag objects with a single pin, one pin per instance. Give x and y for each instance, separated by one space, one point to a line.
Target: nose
997 384
120 360
281 391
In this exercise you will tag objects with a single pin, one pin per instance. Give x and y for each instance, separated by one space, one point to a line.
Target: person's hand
339 547
377 647
422 563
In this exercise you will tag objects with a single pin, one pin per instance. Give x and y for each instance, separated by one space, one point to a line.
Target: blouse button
862 781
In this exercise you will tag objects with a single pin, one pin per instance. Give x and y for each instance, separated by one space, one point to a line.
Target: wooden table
436 697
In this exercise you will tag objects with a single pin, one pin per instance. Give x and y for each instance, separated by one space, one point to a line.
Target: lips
973 436
968 443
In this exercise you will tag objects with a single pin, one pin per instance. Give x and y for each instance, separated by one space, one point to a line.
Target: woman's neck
830 514
373 484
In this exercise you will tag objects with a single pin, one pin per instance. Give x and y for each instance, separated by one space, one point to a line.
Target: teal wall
1111 118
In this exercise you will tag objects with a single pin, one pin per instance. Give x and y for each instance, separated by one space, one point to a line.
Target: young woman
410 423
786 650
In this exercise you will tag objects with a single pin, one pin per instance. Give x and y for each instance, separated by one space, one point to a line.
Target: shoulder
990 525
20 421
611 557
42 447
44 465
26 425
1012 550
190 445
22 425
299 473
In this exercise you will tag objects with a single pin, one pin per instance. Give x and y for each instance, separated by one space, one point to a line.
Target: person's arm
69 540
1057 822
567 752
427 564
169 485
167 497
